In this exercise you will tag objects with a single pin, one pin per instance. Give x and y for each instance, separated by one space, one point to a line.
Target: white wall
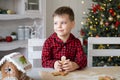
77 7
6 27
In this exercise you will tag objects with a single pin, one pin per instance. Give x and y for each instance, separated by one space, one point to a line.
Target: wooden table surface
85 74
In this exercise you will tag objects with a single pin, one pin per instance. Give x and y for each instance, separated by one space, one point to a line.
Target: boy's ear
73 24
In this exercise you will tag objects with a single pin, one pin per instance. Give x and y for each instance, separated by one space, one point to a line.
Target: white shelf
13 45
17 16
12 16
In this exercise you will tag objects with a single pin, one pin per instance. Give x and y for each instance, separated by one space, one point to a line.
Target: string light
82 22
84 12
82 2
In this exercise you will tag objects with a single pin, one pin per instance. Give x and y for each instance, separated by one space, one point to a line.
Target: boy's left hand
69 66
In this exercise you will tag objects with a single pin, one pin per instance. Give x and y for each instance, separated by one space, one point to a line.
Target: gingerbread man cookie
63 73
106 78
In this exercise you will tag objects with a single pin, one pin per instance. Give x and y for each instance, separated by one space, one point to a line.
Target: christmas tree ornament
93 16
96 19
85 42
91 22
112 26
110 0
103 8
106 23
102 15
101 46
88 19
111 10
113 14
117 23
101 22
119 6
91 35
91 27
116 29
110 18
104 5
118 16
96 22
82 33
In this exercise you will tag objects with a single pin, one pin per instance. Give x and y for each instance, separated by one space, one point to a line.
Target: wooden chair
101 52
35 51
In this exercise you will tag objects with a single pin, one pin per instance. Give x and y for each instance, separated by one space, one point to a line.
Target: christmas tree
103 20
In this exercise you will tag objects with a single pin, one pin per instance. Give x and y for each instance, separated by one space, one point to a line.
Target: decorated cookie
62 73
106 78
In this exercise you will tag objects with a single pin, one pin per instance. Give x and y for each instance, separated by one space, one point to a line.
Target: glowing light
84 12
82 23
82 2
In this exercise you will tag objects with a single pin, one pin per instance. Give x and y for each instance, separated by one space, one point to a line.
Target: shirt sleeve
81 58
47 60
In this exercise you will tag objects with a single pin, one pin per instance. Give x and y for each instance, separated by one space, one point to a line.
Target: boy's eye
63 22
55 23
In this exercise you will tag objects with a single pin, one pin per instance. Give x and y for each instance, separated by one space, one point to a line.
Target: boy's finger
66 68
59 69
66 61
59 62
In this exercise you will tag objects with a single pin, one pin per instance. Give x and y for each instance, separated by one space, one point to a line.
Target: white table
85 74
36 72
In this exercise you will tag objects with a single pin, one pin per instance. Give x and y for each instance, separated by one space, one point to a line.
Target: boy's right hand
58 66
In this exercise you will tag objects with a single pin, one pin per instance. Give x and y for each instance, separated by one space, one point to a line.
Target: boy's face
63 25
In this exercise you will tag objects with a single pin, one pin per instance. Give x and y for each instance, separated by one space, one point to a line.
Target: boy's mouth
60 30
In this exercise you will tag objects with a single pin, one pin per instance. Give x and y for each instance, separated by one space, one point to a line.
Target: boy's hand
58 66
69 66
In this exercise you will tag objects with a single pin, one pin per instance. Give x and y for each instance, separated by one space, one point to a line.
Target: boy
63 43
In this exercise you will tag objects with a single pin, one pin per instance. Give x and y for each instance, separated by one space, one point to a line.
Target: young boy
63 43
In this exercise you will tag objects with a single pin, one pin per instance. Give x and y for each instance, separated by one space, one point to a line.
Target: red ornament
9 39
119 7
82 33
111 11
106 24
113 14
117 23
85 42
96 8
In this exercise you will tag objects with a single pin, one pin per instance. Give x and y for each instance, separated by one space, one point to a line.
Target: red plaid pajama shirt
54 48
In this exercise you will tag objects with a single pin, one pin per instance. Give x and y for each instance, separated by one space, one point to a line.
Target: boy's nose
59 25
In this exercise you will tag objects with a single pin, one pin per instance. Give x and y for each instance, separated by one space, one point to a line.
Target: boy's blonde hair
64 10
